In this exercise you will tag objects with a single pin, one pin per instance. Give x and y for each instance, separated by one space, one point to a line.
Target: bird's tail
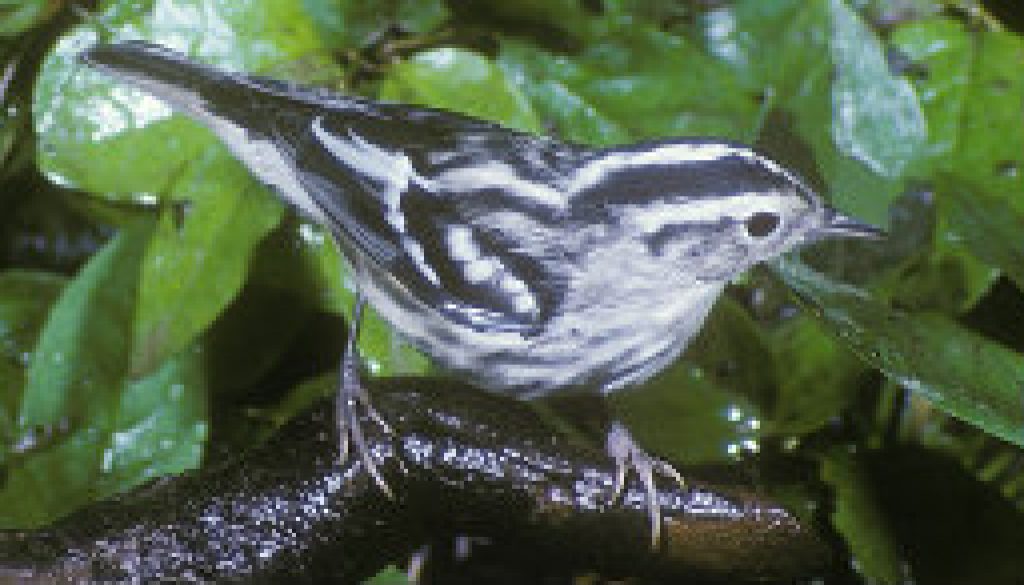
189 87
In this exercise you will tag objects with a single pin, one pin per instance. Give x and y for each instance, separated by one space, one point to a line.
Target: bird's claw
352 398
628 455
350 402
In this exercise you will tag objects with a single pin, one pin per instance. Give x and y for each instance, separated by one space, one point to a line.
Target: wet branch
475 464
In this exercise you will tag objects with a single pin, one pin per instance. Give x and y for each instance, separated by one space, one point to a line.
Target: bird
517 262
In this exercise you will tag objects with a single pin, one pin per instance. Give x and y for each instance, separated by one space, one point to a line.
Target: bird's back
475 241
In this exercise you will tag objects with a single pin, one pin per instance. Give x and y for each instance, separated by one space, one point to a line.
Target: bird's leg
629 456
351 396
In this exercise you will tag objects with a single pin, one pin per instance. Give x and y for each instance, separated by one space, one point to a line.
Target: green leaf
682 415
352 23
461 81
858 518
305 261
571 116
25 299
388 576
991 147
819 381
972 87
156 426
876 116
947 279
192 271
777 45
122 430
939 51
988 226
19 16
960 372
787 52
119 142
733 352
298 400
629 83
80 357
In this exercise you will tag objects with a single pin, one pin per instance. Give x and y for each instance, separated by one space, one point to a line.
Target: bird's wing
433 198
465 215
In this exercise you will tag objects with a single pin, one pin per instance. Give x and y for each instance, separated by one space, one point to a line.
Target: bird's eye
762 223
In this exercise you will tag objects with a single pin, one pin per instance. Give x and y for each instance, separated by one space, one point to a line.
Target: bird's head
711 209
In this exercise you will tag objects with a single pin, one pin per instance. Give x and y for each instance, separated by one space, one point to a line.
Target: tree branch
475 464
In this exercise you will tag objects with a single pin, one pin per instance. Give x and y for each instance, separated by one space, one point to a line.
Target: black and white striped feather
525 263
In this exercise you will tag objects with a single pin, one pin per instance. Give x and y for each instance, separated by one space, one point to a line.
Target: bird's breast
606 334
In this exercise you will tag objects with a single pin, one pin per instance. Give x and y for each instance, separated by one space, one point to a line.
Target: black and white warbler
521 263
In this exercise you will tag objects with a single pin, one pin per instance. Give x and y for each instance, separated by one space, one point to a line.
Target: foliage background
143 272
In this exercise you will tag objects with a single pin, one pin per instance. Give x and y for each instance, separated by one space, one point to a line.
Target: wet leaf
112 431
786 52
25 299
460 81
819 381
948 280
199 255
118 142
913 267
571 117
859 519
682 415
388 576
19 16
988 226
72 369
960 372
157 426
937 54
877 118
991 146
305 262
627 84
733 353
352 23
972 87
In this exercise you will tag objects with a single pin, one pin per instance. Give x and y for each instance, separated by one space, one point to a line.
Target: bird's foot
629 456
352 401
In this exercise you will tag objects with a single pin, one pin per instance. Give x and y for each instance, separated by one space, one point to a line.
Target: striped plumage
521 263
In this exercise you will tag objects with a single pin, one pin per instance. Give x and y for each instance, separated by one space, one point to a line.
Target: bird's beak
838 225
